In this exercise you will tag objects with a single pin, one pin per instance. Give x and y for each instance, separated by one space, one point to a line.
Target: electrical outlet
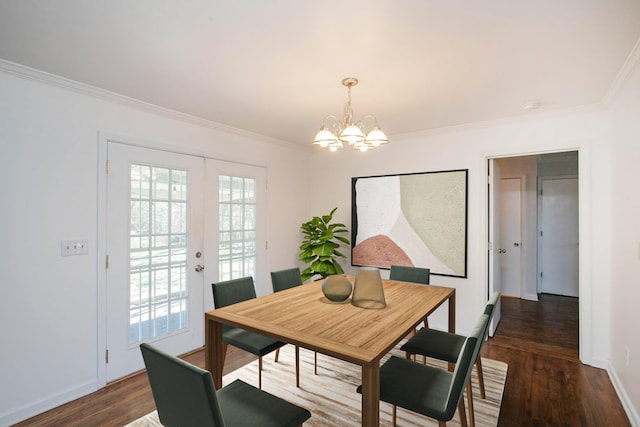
74 247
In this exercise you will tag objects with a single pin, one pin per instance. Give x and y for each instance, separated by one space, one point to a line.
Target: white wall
48 165
625 288
468 148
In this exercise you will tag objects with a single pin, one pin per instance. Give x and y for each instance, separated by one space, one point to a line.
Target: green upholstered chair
185 396
234 291
413 275
285 279
446 346
409 274
431 391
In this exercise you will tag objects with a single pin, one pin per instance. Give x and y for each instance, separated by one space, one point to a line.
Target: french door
175 224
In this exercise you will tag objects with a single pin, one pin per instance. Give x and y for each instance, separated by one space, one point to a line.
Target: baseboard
29 410
631 410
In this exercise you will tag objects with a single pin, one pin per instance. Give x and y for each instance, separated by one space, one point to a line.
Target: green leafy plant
319 248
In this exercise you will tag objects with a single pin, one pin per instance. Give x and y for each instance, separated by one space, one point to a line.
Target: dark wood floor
546 384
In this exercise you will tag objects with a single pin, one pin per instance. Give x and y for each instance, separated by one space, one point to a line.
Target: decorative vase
336 288
367 289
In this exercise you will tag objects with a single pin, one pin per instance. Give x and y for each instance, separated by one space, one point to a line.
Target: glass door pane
237 227
158 283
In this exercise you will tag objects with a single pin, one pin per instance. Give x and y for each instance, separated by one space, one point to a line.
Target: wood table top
302 316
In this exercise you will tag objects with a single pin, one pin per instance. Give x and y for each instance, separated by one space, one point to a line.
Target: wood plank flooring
546 384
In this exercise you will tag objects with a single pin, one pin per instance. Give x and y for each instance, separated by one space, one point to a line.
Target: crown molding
32 74
623 74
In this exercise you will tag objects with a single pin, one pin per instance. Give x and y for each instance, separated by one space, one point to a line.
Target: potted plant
319 248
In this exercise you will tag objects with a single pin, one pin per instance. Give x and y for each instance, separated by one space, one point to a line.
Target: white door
558 237
236 204
510 250
175 223
154 292
494 239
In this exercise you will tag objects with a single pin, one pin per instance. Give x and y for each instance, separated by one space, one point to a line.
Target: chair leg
393 414
315 363
277 355
442 424
260 372
297 366
472 419
462 414
407 355
483 394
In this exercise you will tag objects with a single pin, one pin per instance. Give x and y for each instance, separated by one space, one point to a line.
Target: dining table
303 316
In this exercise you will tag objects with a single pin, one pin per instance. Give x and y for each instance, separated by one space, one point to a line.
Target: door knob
199 268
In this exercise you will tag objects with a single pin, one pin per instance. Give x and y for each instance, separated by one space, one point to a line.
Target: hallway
546 383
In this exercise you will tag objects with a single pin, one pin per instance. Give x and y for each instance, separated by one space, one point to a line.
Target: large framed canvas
413 219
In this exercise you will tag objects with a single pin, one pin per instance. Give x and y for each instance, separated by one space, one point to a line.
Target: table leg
371 394
213 350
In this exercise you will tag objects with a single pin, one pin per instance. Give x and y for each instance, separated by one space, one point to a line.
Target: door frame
103 139
585 320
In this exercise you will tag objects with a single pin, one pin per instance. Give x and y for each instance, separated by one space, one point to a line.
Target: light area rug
331 395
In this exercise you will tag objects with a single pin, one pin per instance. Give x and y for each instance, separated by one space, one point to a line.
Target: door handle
199 268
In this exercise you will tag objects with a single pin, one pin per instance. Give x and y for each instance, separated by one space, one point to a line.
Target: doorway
173 224
530 170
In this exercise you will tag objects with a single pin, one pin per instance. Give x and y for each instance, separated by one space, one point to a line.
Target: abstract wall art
414 219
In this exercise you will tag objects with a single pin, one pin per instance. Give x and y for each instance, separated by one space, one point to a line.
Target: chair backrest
409 274
285 279
231 292
464 365
184 394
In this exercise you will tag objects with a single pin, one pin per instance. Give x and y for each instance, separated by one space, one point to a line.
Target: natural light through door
158 287
237 227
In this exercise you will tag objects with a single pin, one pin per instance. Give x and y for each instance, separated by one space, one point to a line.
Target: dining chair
446 346
413 275
431 391
237 290
184 395
285 279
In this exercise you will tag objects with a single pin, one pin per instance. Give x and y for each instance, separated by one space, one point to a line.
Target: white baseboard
627 404
15 415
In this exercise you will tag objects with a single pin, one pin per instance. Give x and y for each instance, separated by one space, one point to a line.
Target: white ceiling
275 67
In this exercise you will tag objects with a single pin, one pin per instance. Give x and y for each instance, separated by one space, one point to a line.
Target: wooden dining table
303 316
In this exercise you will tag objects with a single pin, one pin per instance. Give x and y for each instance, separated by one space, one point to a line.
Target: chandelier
348 132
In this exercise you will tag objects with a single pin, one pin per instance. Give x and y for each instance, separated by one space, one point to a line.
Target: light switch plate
74 247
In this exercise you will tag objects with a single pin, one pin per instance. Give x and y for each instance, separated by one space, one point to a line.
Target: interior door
494 239
558 237
510 229
154 280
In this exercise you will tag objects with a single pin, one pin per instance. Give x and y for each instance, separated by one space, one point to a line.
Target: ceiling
275 67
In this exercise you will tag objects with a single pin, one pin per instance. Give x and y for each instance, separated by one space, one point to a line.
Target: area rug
331 395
